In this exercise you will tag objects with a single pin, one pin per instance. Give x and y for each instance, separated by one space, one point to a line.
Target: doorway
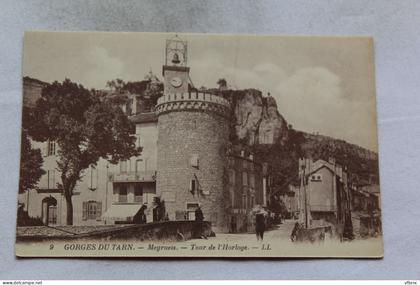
49 211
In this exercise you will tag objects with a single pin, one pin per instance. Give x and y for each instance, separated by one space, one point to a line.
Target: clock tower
193 134
175 71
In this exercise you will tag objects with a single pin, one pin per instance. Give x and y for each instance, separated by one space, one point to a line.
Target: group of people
260 223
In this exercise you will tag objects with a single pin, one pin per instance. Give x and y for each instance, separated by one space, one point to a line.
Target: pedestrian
259 225
199 218
295 230
233 224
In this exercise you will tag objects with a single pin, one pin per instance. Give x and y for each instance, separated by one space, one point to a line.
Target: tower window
193 186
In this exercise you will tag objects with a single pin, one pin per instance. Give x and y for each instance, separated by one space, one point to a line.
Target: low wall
170 230
314 234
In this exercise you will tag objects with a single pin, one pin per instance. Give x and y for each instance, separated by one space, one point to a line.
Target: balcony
139 176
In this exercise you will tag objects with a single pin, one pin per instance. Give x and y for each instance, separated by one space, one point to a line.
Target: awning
122 211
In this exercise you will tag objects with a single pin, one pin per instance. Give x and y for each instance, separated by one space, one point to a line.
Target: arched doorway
49 211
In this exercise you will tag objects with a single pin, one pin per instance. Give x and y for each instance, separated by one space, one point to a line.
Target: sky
321 84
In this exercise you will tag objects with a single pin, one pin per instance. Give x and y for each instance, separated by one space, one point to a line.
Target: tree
30 164
85 129
147 92
116 85
222 83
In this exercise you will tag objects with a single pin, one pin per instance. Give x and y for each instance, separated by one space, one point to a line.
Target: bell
175 59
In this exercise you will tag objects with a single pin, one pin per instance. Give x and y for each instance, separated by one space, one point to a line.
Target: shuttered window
122 195
138 193
92 210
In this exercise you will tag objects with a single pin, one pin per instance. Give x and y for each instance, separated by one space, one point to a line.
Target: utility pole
106 187
305 194
302 193
305 201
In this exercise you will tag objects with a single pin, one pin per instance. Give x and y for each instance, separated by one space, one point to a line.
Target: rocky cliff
256 119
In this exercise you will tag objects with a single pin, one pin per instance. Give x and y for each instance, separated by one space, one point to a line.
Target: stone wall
172 230
185 135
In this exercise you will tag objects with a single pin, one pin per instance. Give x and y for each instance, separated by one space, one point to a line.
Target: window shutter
84 217
98 211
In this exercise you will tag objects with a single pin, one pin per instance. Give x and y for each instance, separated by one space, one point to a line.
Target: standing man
295 231
199 218
259 225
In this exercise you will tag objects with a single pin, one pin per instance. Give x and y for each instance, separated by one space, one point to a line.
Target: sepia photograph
198 145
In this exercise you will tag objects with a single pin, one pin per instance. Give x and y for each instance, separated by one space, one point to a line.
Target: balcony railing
139 176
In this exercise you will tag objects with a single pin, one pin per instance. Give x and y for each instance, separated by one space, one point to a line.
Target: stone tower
193 132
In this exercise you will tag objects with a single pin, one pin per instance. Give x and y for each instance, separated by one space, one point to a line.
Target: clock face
176 81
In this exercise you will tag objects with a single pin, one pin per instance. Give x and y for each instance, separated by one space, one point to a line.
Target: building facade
366 210
134 181
247 191
324 195
107 193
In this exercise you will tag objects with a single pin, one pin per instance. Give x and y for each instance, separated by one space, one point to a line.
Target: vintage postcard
198 145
